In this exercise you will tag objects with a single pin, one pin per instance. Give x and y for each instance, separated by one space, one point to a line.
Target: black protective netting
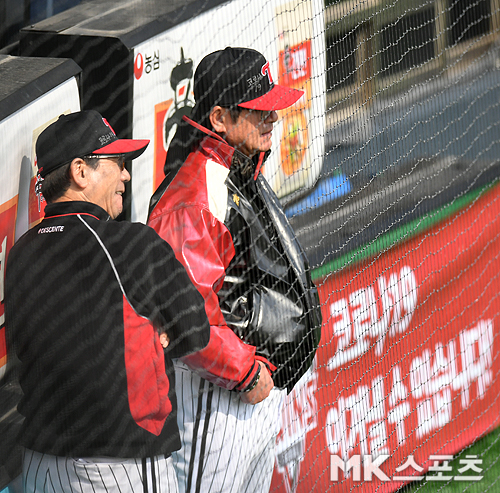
387 171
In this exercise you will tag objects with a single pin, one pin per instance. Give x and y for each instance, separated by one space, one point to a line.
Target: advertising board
288 33
34 93
19 206
406 372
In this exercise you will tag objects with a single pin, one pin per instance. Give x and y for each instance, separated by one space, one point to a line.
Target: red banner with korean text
407 373
8 213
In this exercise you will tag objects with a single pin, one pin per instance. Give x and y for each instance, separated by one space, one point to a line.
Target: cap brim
130 148
278 98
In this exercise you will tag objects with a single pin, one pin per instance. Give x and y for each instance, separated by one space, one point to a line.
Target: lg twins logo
266 71
254 82
107 138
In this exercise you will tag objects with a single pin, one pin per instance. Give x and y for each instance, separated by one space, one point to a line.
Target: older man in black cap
86 301
226 226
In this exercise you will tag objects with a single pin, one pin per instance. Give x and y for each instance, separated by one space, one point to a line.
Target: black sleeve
159 288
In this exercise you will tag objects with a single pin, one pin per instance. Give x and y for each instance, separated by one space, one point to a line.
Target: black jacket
85 297
268 297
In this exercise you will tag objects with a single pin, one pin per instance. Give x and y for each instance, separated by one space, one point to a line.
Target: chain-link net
385 170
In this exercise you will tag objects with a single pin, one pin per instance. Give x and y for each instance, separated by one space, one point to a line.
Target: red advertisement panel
161 111
295 66
295 70
8 213
407 371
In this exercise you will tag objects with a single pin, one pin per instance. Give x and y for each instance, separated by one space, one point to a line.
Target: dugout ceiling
99 36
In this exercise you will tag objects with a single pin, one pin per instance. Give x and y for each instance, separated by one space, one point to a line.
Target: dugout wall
34 92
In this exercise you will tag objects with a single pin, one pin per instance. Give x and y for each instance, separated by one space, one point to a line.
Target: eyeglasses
264 115
120 157
237 110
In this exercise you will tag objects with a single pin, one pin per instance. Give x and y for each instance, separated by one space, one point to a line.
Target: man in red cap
86 300
227 227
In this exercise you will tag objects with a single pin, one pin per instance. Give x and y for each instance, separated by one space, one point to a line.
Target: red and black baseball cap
81 134
240 77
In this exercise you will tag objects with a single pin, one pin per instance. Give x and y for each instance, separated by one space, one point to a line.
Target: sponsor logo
51 229
146 64
138 66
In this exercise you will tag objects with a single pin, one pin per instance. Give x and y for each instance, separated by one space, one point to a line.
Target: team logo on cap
266 71
107 138
108 125
254 82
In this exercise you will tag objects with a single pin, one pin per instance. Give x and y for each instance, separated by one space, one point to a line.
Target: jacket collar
228 153
75 207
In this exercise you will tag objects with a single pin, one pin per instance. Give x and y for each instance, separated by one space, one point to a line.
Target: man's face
251 132
108 185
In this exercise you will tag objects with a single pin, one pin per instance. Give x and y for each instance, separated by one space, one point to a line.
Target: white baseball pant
43 473
227 446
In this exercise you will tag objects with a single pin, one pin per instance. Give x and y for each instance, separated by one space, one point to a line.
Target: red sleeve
204 246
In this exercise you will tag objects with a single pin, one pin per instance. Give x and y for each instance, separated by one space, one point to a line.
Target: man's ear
218 116
78 172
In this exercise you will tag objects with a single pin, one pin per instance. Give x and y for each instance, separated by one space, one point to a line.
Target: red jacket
207 214
184 217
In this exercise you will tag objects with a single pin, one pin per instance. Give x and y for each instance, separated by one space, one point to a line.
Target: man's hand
164 340
263 388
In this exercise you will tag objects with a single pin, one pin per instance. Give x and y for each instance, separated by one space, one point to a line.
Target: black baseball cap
240 77
80 134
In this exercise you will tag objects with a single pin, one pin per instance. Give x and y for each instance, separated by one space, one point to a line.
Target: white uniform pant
227 446
43 473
